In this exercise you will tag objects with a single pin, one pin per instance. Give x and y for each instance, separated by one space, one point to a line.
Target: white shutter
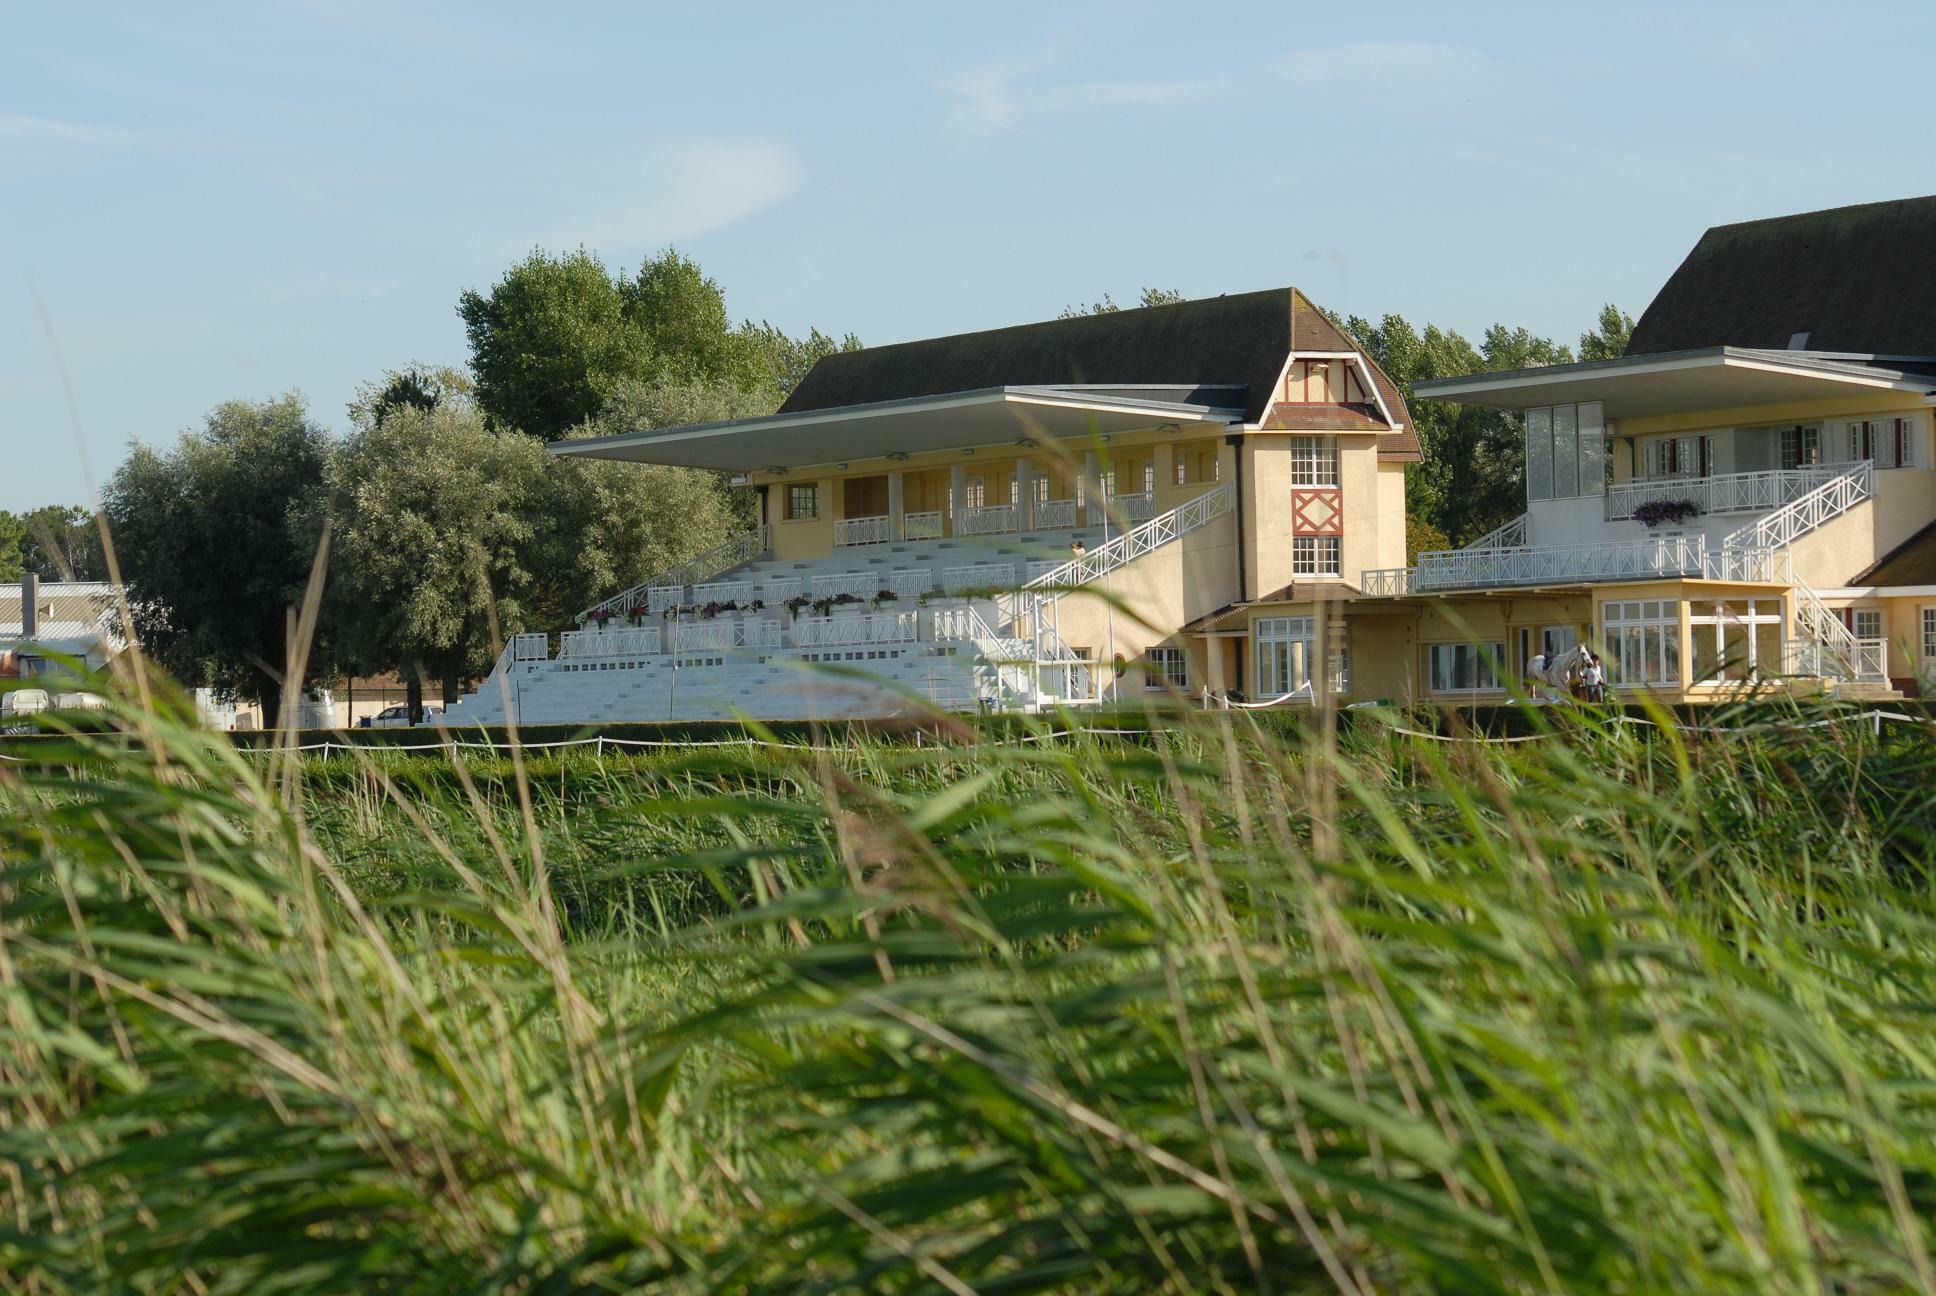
1906 443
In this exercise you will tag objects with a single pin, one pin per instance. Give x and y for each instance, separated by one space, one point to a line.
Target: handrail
1507 535
741 548
1781 528
849 532
1749 492
1131 545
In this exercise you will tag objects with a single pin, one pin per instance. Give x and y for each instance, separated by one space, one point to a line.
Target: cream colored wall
1155 595
1834 553
1388 521
1267 507
808 538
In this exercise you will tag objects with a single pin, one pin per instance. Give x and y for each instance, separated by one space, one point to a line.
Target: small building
42 622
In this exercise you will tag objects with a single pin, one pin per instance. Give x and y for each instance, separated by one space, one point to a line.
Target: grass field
1223 1008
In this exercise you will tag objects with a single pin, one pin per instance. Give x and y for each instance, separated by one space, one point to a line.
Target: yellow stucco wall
1155 595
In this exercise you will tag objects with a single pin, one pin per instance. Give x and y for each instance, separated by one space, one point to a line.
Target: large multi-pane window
974 493
1890 443
1801 446
1566 451
1734 639
1314 461
1287 650
1680 456
1316 556
1929 638
1465 667
1169 667
1643 639
803 501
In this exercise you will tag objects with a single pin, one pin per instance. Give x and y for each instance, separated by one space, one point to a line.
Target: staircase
1795 519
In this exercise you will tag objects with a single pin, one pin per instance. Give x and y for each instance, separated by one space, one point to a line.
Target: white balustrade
1130 545
1055 515
1666 556
1755 492
910 582
778 589
639 642
995 519
663 590
1849 485
1040 567
741 592
858 584
881 628
861 531
921 526
1134 508
978 576
1507 535
661 597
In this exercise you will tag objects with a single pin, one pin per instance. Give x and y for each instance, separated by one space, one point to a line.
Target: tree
788 359
422 387
681 313
1473 475
1150 297
434 513
62 543
550 342
12 532
213 544
1607 340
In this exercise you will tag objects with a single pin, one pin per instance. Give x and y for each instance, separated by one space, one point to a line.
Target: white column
894 501
1024 495
1092 487
958 492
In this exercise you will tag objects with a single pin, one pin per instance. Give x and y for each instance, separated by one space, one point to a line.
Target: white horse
1553 676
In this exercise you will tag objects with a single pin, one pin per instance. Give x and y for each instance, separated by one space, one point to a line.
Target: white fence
1130 545
1507 535
646 642
1755 492
664 589
1055 515
1134 508
860 531
738 591
781 588
978 576
717 636
1849 486
995 519
921 526
888 628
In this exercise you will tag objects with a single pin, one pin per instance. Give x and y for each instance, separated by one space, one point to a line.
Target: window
974 492
1929 637
1284 648
1801 446
803 501
1168 668
1316 555
1734 639
1566 451
1680 456
1643 641
1149 476
1465 668
1195 462
1314 461
1040 484
1889 443
1863 623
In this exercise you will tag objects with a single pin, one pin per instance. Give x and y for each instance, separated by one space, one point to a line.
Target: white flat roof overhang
953 421
1683 382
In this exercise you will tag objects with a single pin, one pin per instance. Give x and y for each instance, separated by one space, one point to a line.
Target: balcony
1135 508
1756 492
921 526
994 519
1055 515
849 532
1664 558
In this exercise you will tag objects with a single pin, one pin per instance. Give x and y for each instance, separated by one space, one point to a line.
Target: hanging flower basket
1655 512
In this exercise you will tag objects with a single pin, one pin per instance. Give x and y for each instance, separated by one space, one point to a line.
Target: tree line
442 526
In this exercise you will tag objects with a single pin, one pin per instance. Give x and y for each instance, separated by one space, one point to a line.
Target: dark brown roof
1913 562
1323 416
1223 351
1854 279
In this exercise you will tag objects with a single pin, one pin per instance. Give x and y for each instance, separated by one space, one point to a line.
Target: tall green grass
1223 1009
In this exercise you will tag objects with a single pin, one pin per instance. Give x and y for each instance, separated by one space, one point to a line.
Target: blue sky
232 201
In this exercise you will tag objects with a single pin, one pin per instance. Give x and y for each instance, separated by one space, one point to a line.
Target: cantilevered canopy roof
1717 377
951 421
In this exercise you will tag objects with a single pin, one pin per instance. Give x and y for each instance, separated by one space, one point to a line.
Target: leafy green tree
62 542
681 313
550 342
434 517
787 359
12 532
1473 475
213 546
1607 340
422 387
1149 297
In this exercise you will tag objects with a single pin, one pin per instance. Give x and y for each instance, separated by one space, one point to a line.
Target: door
1554 640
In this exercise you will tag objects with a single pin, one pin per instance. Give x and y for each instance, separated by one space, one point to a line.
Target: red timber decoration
1317 511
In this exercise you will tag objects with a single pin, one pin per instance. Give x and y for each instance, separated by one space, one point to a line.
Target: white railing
909 582
1820 626
995 519
978 576
738 591
1849 486
1131 545
1478 568
1751 566
921 526
1055 515
781 588
662 590
1507 535
1755 492
1036 568
885 628
522 648
610 643
719 635
861 531
1134 508
859 584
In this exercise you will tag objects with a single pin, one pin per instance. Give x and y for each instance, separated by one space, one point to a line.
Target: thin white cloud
684 190
38 146
1395 67
988 98
15 128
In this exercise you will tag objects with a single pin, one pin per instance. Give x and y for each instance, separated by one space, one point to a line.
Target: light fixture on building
970 450
898 456
1169 427
777 471
840 467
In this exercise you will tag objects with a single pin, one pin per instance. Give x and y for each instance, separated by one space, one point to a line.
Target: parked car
398 717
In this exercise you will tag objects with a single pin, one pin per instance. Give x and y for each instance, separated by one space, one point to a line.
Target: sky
203 202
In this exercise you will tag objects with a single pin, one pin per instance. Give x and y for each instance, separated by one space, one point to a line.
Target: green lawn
1223 1007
